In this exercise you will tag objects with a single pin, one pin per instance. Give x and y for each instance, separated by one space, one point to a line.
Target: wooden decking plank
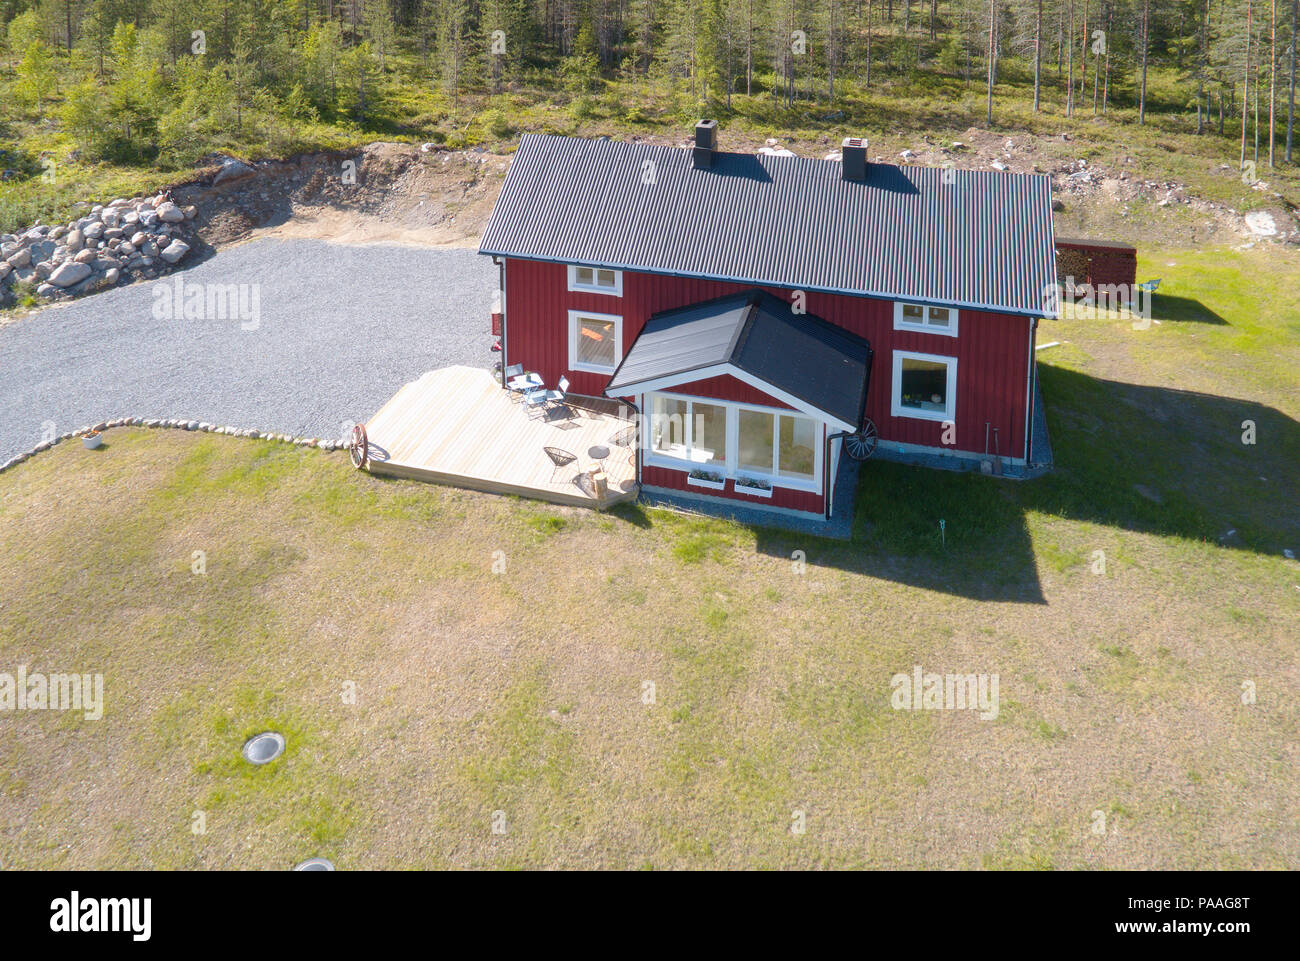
456 426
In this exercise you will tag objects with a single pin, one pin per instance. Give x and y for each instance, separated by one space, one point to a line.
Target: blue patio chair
557 397
535 401
1150 286
519 383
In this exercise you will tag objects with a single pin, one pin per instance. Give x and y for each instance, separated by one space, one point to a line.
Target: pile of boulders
144 237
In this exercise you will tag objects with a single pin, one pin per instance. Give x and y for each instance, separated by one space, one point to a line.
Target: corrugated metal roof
754 333
965 238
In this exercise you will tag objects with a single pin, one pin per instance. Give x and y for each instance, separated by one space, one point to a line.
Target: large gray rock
139 238
175 251
231 170
21 259
5 270
75 240
112 275
170 213
85 257
94 231
70 273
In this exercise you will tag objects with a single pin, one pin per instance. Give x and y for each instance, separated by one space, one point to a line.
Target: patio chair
519 383
626 438
557 397
560 458
535 401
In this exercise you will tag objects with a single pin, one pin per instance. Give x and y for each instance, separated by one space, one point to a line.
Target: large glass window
708 433
669 418
688 430
798 450
735 440
755 441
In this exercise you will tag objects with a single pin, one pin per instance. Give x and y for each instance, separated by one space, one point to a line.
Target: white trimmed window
596 280
686 429
736 440
929 320
595 341
925 386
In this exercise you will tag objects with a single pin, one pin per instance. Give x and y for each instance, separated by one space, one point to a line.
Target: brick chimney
854 154
706 143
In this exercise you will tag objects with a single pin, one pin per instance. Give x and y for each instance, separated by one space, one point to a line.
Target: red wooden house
766 313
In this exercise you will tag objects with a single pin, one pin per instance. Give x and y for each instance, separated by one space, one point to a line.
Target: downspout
827 480
1030 381
636 450
501 289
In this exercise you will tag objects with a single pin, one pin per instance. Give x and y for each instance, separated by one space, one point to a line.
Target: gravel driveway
337 330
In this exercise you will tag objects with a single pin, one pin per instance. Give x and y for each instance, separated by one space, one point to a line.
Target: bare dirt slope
384 193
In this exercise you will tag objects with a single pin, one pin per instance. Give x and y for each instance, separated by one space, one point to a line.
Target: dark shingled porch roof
821 365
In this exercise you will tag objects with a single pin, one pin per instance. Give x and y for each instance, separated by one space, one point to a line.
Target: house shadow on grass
1149 460
1166 307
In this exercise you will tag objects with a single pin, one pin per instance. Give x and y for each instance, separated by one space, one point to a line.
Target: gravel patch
339 329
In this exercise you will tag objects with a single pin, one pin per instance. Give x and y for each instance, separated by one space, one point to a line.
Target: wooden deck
458 426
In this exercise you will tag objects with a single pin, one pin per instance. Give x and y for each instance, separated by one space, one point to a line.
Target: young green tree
36 75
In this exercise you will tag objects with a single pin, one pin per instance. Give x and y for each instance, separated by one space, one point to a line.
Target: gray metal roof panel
967 238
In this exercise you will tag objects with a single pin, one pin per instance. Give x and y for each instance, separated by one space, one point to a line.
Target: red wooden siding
781 496
727 388
992 350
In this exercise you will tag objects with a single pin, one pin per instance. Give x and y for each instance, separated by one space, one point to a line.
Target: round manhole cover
263 748
314 864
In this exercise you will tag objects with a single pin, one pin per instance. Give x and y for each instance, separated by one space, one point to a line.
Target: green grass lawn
525 691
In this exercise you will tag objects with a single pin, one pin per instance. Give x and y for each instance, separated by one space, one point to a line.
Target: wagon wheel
359 447
862 445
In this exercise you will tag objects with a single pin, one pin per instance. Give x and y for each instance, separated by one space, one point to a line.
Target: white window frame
730 466
925 327
578 287
688 431
574 363
896 389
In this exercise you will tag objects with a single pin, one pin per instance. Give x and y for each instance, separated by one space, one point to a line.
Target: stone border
177 424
